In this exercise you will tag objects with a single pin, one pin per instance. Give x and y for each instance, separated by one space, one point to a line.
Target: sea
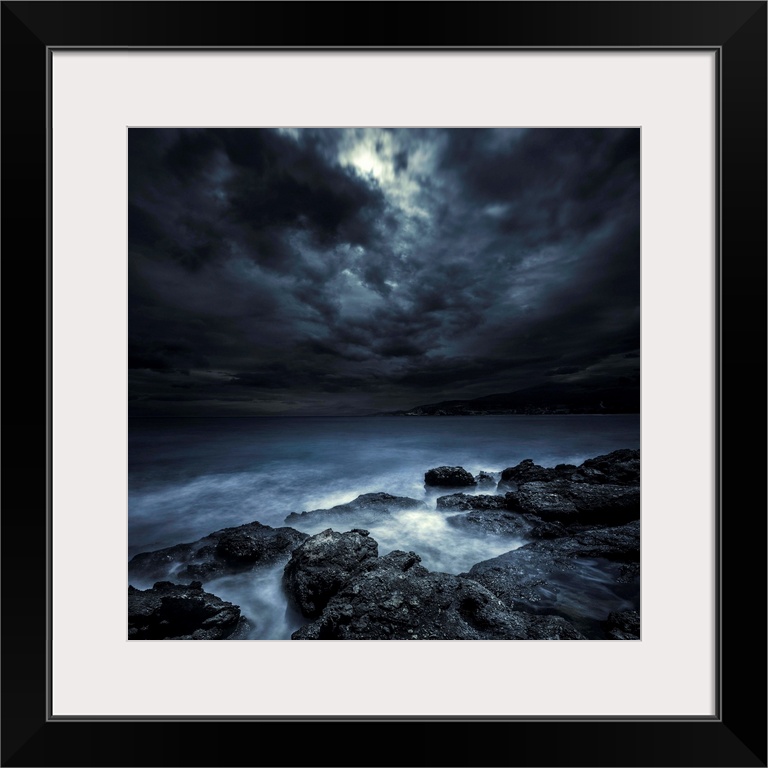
189 477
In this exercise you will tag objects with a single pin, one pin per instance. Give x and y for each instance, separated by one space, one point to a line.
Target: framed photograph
304 298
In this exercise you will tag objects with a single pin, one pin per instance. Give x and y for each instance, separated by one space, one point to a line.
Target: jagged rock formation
230 550
178 612
320 566
364 510
395 598
448 477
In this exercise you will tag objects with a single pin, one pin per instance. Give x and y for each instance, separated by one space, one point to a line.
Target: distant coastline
537 401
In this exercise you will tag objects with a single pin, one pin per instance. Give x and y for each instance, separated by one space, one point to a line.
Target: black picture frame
736 736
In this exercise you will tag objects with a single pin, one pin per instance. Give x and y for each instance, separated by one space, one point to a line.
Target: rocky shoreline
575 577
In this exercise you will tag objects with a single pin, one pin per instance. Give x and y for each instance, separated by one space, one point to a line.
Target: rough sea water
189 477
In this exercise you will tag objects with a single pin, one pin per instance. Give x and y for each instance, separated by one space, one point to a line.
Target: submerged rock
486 514
322 565
230 550
365 509
494 522
485 480
395 598
448 477
581 577
465 501
619 543
178 612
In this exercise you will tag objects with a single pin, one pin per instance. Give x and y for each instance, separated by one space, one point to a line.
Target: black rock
494 522
322 565
485 480
569 501
177 612
465 501
545 530
448 477
629 573
395 598
619 543
620 467
528 472
581 577
624 625
161 563
365 509
230 550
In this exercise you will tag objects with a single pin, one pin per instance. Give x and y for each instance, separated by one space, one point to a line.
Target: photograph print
384 384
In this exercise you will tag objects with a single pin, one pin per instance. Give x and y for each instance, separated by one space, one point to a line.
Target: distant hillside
549 398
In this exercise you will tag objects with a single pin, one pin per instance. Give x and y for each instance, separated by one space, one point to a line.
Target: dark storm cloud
399 348
457 372
550 184
251 186
320 270
268 378
200 398
401 161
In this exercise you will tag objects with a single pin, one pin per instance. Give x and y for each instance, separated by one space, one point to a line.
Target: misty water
189 477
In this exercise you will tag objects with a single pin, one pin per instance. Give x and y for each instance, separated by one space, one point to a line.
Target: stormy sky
320 271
